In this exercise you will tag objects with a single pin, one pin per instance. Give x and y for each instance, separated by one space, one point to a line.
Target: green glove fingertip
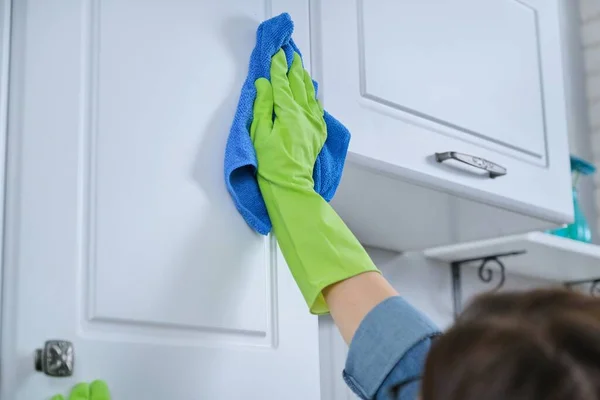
296 78
99 390
282 91
81 391
262 120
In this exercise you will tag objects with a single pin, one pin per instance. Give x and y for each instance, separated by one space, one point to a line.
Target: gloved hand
318 247
97 390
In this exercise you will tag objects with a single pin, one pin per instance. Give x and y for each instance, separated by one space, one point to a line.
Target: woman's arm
351 300
332 269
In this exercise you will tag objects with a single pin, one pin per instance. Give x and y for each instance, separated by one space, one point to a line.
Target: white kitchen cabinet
120 235
414 78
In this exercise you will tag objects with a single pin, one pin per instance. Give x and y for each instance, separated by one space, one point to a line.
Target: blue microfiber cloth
240 158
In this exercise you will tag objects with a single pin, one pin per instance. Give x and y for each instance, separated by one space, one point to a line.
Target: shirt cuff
384 336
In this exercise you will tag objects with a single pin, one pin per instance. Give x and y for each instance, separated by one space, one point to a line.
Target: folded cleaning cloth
240 158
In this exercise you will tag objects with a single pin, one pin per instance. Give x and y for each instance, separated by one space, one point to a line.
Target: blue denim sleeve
388 349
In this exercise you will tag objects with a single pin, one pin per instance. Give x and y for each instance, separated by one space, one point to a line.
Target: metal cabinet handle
56 359
493 169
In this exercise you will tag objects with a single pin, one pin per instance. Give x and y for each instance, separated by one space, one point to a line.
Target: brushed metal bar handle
493 169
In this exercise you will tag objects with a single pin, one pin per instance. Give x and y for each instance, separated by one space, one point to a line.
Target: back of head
535 345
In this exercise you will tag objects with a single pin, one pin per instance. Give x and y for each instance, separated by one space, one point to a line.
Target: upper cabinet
414 78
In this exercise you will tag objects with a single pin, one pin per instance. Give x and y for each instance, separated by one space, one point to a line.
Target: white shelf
547 256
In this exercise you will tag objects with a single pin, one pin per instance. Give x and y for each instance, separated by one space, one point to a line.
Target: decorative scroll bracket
594 285
484 272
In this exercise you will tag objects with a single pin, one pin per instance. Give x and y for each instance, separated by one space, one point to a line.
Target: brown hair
543 344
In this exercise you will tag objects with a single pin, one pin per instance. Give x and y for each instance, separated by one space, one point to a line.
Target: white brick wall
590 32
593 88
590 9
590 39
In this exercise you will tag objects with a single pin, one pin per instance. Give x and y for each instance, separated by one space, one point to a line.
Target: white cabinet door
120 235
485 78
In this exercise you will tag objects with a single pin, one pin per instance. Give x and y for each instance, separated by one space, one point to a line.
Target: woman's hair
535 345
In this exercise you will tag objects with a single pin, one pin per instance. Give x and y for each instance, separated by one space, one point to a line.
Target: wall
590 35
427 284
576 43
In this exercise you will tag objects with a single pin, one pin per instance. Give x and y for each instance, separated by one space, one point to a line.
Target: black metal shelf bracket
485 272
594 289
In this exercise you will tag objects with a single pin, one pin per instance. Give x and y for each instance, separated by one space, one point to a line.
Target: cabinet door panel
411 79
470 65
121 236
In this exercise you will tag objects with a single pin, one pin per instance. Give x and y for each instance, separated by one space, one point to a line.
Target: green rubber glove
97 390
318 247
